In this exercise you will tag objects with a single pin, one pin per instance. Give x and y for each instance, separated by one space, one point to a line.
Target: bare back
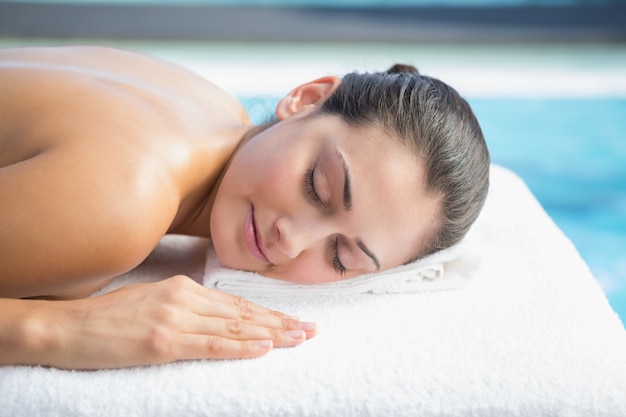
102 152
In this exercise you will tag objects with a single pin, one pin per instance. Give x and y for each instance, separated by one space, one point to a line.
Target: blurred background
546 78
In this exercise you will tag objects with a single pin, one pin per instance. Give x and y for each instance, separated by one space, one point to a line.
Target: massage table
527 332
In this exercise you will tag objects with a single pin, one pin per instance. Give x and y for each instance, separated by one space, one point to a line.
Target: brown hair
438 125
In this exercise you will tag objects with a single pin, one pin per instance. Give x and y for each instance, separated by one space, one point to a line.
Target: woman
105 151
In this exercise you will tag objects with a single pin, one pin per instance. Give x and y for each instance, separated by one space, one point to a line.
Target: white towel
443 270
530 335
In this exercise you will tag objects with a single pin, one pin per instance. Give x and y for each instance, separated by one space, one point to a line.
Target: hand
170 320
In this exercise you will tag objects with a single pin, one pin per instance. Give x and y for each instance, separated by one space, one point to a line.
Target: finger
192 346
270 319
251 313
243 306
237 330
183 291
213 303
223 297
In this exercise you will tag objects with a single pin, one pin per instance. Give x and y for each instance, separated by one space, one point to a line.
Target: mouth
253 239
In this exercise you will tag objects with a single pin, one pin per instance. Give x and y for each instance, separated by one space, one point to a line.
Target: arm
175 319
142 324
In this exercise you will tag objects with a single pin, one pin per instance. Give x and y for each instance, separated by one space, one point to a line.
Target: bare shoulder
89 158
71 220
130 65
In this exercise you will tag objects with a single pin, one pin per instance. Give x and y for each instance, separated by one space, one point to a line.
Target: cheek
278 182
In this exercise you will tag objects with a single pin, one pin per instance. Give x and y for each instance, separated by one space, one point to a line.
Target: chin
226 257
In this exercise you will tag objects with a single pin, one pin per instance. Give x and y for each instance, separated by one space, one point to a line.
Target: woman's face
313 200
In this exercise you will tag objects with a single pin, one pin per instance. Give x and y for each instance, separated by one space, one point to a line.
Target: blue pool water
572 155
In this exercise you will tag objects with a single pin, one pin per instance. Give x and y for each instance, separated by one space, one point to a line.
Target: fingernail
308 326
264 344
296 334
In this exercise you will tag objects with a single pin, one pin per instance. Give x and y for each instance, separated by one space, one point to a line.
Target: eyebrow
369 253
347 204
347 190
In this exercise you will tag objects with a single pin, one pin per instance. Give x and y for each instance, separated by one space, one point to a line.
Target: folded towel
443 270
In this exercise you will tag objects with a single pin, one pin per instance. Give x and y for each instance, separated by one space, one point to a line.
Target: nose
293 236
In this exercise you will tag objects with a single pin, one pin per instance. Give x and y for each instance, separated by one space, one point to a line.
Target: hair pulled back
438 125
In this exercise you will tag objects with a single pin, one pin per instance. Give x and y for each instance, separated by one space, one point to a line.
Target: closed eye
334 257
309 186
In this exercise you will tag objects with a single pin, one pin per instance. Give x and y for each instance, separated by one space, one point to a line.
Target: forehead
392 209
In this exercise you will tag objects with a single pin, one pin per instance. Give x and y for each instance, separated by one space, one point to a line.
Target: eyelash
310 190
337 265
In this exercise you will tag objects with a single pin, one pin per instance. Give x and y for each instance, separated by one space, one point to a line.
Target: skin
313 238
103 152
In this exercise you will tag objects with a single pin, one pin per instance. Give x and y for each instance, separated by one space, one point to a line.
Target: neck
194 213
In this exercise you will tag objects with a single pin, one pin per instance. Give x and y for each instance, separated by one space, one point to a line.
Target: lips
252 238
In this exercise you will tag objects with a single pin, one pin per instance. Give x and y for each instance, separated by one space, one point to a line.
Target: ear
307 96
